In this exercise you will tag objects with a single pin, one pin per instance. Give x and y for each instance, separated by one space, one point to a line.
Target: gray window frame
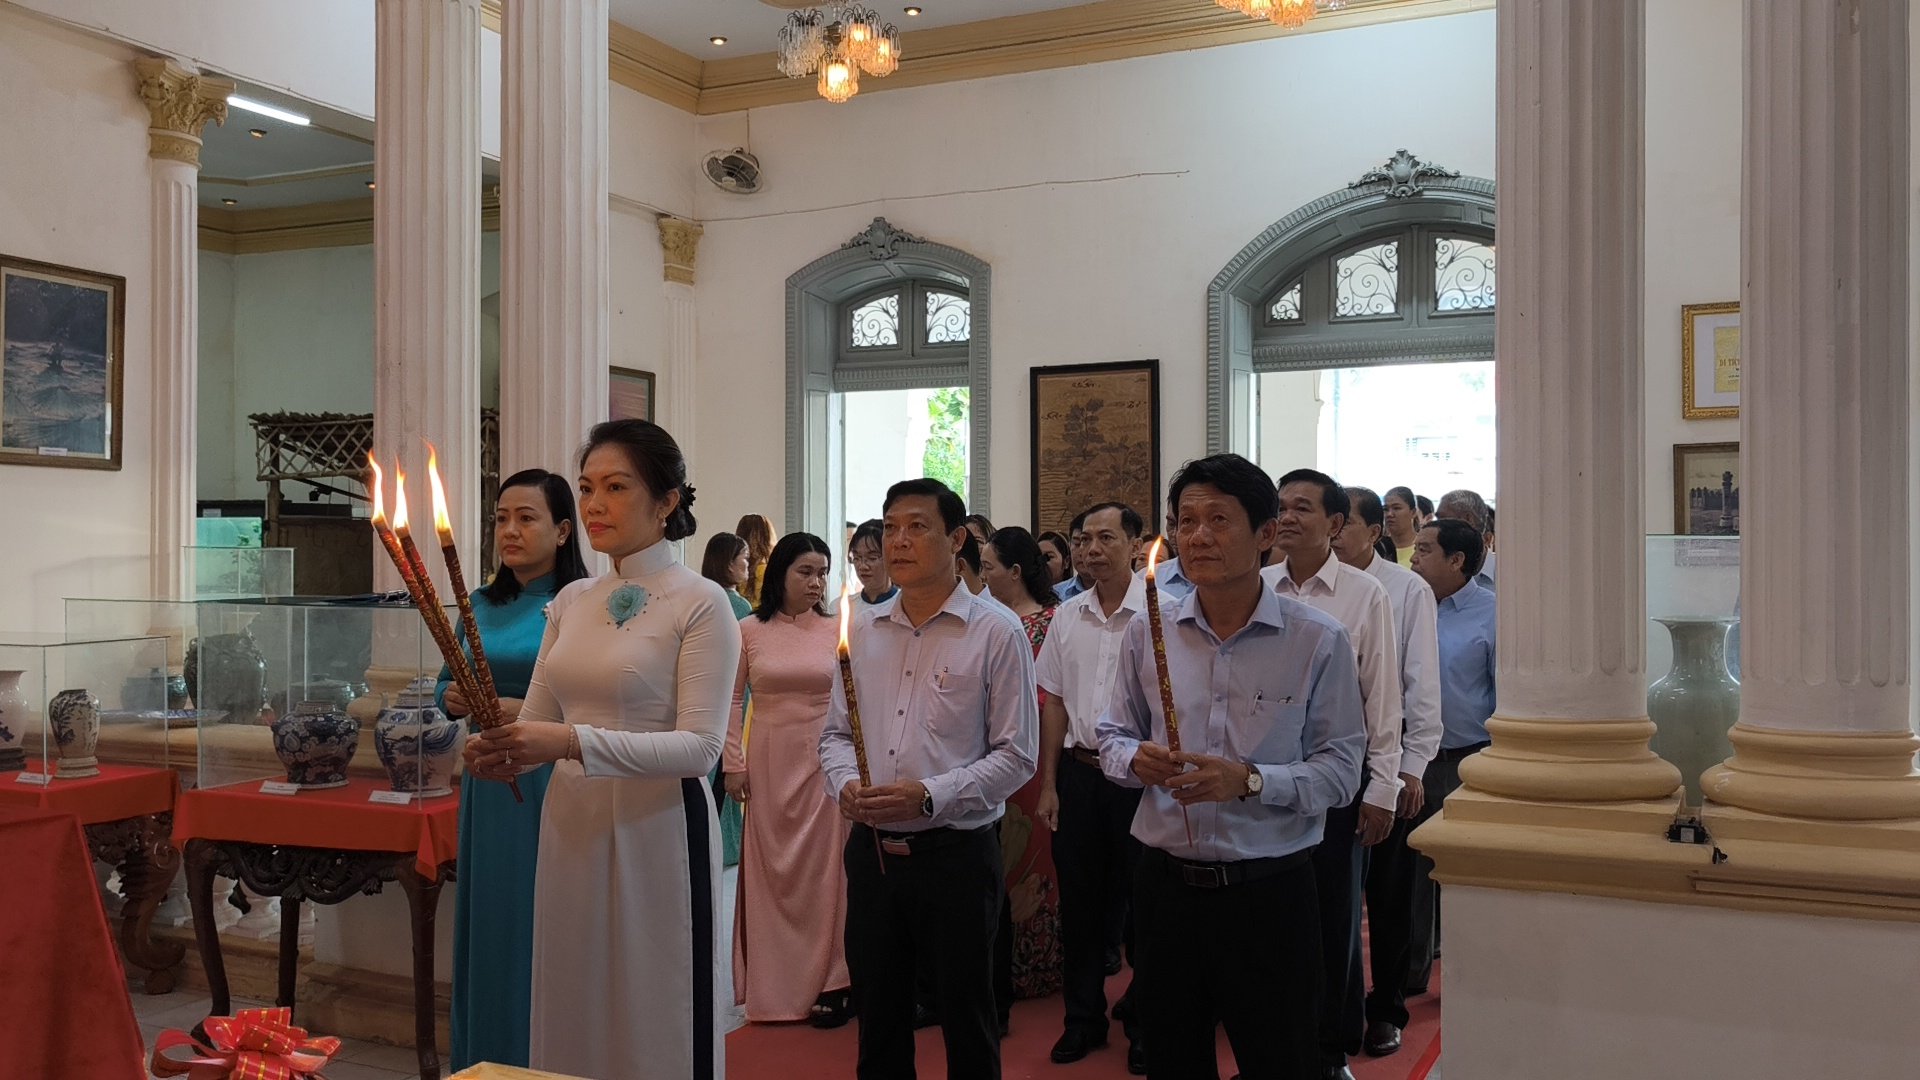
1406 197
821 361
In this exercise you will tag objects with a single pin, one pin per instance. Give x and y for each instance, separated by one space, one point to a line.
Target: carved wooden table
322 876
322 846
127 812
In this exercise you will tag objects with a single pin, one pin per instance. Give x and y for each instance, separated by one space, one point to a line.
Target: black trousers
1442 780
937 908
1094 856
1246 956
1339 865
1390 869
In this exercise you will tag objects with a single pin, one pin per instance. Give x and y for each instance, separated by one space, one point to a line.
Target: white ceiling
751 26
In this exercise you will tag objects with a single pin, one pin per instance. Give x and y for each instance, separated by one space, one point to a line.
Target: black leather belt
1459 753
920 843
1220 875
1084 756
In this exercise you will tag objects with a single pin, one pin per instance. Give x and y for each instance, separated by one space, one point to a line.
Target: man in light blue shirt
1447 553
1463 504
949 721
1272 736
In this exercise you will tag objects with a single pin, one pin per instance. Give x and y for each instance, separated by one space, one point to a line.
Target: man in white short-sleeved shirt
1094 852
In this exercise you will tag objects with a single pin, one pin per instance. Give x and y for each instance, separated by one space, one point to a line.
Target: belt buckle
1204 877
896 845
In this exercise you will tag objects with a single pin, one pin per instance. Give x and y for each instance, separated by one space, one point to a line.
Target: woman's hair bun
680 523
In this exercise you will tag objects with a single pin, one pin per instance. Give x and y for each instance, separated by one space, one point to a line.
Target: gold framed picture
1706 489
1710 361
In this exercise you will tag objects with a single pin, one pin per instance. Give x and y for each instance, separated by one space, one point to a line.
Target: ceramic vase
74 716
13 722
315 742
1696 702
417 742
226 671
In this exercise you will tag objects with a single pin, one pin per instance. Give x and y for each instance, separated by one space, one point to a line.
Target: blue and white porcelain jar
315 742
74 716
417 742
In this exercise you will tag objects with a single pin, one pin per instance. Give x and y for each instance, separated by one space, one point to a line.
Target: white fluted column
426 244
1571 722
181 102
554 276
680 252
1824 730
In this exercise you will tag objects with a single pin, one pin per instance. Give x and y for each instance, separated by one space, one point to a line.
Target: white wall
1104 198
1583 988
75 186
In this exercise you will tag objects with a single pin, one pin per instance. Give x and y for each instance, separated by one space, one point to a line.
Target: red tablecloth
339 819
119 792
63 994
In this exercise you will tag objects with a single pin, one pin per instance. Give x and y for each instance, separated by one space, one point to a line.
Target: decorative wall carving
1403 175
680 245
880 240
181 103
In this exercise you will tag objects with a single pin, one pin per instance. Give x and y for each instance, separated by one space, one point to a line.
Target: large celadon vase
1696 702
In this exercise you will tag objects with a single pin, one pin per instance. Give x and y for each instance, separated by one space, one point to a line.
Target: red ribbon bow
252 1044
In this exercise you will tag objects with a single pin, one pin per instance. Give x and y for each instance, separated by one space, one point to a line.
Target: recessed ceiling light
258 133
230 202
718 39
369 185
911 10
265 109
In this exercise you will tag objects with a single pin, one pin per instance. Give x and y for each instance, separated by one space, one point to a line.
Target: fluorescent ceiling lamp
265 109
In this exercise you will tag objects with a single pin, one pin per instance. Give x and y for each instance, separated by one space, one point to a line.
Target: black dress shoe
1339 1072
1006 1026
1076 1043
1113 962
924 1017
1382 1039
1137 1058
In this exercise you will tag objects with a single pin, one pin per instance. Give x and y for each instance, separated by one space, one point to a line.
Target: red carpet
782 1051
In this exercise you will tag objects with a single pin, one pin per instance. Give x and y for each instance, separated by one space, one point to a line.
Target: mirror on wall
287 332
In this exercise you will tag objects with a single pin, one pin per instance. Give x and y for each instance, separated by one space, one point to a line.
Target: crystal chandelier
838 43
1291 14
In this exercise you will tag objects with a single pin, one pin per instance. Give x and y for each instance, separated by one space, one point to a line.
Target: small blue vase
417 742
315 742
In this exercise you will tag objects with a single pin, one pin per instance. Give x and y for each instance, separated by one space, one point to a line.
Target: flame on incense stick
379 508
400 501
440 523
1153 555
846 614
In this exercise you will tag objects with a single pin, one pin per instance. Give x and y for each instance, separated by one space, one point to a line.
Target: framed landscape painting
61 335
630 394
1096 437
1706 489
1710 361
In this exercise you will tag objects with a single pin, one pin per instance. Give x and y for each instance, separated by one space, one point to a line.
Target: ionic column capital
680 245
182 102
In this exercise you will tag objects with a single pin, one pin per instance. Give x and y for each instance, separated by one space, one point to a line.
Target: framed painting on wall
1095 438
1710 361
61 335
1706 489
630 395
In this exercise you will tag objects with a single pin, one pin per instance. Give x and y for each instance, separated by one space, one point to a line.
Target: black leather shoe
1382 1039
1137 1058
1006 1026
1074 1044
1339 1072
1113 962
924 1017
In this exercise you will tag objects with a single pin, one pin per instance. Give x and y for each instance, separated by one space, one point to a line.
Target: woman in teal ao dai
538 542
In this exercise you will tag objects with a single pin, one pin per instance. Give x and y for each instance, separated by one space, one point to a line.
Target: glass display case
307 694
67 705
236 572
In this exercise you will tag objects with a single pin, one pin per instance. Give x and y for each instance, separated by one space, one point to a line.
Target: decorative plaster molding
348 223
880 239
656 69
181 103
680 247
1402 175
1555 759
1820 775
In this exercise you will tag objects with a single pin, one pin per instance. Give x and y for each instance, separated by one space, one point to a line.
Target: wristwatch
1254 782
926 804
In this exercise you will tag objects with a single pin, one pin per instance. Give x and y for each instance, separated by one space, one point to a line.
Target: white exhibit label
279 787
397 798
39 778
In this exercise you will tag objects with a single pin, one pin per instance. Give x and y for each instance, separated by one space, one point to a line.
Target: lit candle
443 527
846 683
1160 650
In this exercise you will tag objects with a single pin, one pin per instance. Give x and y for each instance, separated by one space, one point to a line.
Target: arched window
887 376
1396 269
